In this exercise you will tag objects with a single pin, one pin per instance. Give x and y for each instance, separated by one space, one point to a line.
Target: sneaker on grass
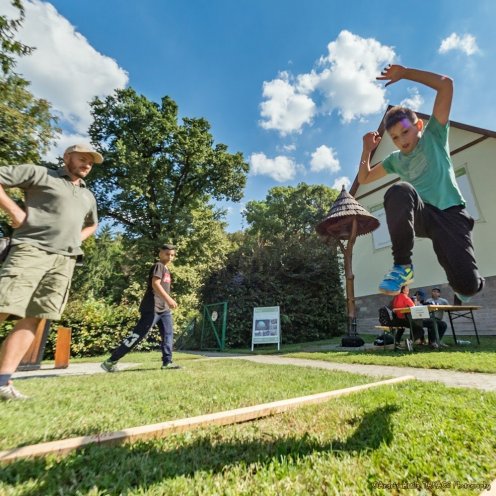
171 366
399 275
9 392
109 366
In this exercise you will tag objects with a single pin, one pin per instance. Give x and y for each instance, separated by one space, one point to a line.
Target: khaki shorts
34 282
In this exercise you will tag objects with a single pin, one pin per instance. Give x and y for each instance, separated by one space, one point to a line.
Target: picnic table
454 312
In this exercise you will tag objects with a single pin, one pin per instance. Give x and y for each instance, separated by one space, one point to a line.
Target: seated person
388 319
436 299
402 300
419 297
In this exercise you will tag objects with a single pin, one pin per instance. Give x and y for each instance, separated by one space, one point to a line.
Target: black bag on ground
352 342
384 339
4 248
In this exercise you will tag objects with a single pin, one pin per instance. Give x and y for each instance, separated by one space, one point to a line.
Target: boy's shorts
34 282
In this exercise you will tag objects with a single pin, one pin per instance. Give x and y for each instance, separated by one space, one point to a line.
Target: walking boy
428 202
155 308
60 214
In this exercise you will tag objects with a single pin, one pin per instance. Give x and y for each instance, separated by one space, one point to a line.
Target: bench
392 330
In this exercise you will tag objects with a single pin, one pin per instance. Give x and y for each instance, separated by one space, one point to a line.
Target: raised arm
443 85
365 173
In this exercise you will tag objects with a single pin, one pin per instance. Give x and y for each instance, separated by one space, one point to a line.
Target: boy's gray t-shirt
57 210
428 168
151 301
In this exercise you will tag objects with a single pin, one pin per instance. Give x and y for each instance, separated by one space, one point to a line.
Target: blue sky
290 84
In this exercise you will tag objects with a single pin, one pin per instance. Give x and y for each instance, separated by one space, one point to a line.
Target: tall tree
158 183
289 212
281 261
9 46
157 171
27 126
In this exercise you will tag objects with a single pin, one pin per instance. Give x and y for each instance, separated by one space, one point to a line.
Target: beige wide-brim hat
83 148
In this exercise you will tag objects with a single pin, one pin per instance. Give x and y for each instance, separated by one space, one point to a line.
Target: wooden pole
62 347
348 273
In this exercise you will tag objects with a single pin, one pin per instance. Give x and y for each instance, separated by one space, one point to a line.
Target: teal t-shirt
428 168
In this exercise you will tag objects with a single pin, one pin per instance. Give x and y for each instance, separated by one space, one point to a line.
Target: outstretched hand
392 73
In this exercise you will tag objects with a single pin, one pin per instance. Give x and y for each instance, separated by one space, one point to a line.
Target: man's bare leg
17 343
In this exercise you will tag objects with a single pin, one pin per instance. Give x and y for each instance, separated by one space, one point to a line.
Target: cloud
466 44
285 109
339 182
65 69
280 168
348 79
64 141
414 101
324 158
289 148
342 81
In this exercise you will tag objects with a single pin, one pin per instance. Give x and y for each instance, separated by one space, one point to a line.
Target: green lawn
473 358
420 435
70 406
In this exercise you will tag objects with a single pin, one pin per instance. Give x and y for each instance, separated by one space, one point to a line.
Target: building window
380 236
465 185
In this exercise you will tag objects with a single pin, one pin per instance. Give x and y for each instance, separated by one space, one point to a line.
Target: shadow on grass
118 469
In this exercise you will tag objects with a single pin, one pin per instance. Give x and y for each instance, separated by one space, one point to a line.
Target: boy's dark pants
143 327
449 230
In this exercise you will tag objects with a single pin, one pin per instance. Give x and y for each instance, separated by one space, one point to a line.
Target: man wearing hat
419 297
155 309
436 299
59 214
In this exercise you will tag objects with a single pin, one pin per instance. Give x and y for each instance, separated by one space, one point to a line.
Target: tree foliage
26 124
9 45
156 185
158 172
281 261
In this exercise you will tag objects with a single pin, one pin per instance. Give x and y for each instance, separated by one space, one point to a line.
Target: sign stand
266 326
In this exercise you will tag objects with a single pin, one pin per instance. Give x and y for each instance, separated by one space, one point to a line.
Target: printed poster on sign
266 326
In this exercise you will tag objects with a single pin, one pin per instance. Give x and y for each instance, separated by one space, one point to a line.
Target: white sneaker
9 392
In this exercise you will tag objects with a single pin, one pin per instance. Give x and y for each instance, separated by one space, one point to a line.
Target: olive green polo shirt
57 209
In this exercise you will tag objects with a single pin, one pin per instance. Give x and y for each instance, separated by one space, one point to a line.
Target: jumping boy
155 308
427 202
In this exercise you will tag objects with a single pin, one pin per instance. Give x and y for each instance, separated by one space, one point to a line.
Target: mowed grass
71 406
411 438
472 358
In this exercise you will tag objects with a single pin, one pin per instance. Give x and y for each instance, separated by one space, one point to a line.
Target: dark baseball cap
168 246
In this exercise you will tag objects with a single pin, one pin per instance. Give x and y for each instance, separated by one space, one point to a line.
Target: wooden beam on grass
163 429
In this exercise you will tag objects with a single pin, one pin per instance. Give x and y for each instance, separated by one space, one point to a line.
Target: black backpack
385 316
